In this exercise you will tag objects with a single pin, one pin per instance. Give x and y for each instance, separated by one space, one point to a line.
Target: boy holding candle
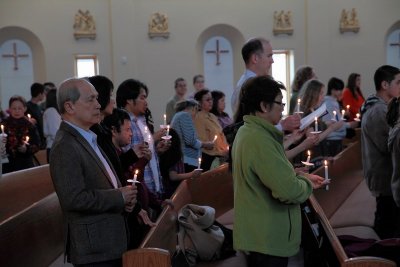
19 129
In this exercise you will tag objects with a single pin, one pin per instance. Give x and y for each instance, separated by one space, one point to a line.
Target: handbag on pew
198 237
385 248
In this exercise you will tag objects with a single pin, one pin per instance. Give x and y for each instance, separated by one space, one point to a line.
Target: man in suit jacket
90 194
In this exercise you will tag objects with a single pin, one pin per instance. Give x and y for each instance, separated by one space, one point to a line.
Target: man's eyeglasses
280 103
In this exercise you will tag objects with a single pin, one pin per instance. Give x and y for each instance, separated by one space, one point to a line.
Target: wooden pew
215 189
347 208
20 189
30 219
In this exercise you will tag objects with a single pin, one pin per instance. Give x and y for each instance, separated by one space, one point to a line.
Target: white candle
135 176
199 165
165 119
2 129
167 133
334 115
343 114
309 156
298 104
316 124
358 116
326 174
215 138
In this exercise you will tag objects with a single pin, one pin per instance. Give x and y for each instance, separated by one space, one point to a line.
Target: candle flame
29 116
348 106
358 115
298 101
136 172
325 163
27 139
308 152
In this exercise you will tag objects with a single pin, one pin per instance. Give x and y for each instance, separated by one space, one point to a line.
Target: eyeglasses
280 103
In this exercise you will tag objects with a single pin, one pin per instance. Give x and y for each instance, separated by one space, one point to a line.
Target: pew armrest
152 257
368 261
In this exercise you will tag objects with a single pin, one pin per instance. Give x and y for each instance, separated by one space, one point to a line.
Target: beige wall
122 32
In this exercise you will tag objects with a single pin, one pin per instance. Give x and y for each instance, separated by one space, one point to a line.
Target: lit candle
358 116
165 119
135 176
334 115
29 116
167 133
26 140
199 165
309 156
326 174
215 138
343 114
298 104
316 124
348 108
2 129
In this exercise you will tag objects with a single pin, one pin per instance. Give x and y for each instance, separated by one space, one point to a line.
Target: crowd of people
114 170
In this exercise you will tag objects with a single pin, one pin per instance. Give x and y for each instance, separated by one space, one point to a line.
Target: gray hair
68 91
184 104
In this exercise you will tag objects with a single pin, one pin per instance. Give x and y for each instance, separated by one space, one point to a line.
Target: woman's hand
316 181
144 218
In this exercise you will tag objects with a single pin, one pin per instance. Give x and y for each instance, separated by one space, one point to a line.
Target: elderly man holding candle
267 190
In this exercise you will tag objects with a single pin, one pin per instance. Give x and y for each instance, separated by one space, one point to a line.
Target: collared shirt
152 175
91 138
235 96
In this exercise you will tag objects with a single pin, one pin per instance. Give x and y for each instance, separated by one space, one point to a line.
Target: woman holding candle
18 129
207 126
303 74
312 94
182 123
218 109
267 190
352 95
332 145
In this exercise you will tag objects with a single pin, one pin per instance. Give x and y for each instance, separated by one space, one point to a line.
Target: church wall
125 50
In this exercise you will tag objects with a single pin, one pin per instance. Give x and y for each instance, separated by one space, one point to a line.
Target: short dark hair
104 88
17 98
257 90
385 73
199 95
335 84
177 81
129 89
198 76
116 119
37 89
251 47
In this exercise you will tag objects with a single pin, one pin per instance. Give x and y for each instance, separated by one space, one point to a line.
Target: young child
172 167
22 137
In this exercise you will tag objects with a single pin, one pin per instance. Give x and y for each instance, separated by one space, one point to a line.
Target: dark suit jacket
95 224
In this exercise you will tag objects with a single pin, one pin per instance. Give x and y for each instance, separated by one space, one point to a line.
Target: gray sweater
376 158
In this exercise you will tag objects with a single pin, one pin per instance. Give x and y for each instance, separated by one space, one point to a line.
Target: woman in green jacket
267 191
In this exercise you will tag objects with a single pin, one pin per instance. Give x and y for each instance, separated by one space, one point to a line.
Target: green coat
267 192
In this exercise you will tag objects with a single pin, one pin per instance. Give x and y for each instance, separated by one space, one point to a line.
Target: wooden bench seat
30 219
215 188
20 189
347 208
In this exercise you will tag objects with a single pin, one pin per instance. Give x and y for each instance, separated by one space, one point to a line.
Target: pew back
213 188
20 189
